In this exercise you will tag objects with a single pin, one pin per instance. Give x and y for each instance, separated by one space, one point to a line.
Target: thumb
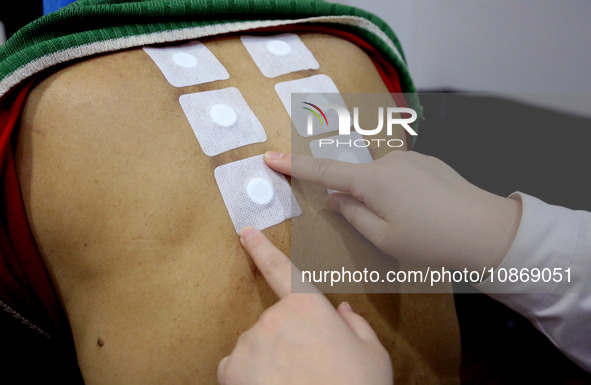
357 323
359 215
222 370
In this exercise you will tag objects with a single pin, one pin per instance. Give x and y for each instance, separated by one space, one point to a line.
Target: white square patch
254 194
222 120
345 148
304 100
187 64
279 54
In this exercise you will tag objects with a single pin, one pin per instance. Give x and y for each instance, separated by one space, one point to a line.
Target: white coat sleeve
558 239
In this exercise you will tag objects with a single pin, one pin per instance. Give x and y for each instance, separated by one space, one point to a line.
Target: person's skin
302 339
133 230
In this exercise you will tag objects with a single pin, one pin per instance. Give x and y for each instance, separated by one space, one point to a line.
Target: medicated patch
308 102
279 54
187 64
222 120
351 148
254 194
345 148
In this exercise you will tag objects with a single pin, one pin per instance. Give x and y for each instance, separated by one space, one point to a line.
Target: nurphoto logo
388 117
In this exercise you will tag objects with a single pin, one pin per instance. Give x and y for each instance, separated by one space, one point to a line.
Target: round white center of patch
184 59
223 115
278 47
260 191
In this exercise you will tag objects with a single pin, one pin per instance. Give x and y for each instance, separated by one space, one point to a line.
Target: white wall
510 46
2 34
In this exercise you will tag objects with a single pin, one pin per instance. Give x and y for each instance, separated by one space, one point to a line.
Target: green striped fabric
88 27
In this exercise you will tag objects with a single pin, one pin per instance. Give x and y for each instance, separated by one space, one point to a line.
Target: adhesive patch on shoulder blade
311 94
187 64
279 54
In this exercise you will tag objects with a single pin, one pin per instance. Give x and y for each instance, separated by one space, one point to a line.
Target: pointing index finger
325 172
272 263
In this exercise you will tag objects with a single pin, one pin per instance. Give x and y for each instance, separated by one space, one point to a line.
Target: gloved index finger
275 266
329 173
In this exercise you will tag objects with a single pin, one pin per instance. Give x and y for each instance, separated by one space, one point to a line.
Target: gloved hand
414 207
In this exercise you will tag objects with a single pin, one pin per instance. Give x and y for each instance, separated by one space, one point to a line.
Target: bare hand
302 339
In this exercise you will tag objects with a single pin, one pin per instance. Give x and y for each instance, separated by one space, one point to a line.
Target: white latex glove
414 207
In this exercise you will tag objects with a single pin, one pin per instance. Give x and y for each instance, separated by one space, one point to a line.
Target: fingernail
333 203
247 233
273 155
346 306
